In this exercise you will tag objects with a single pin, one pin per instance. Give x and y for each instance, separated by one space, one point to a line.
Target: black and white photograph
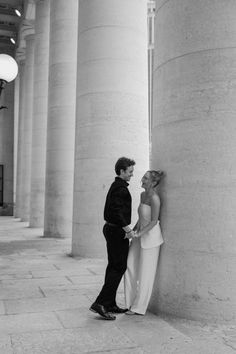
117 176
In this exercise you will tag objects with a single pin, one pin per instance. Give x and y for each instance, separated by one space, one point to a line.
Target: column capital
26 29
151 7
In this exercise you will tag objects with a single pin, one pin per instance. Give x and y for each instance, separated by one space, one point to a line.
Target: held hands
131 234
136 234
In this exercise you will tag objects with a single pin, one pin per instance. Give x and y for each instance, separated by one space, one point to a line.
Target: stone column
150 24
15 132
61 118
7 139
6 146
194 131
40 109
28 113
19 166
112 110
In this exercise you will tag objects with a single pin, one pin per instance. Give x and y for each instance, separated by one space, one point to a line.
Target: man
117 214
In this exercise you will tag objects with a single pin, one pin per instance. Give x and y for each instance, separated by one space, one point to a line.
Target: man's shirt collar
121 181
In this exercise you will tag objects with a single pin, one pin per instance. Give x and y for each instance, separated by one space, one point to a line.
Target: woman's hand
129 235
136 234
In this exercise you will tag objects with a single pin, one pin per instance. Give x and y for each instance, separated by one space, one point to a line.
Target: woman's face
146 181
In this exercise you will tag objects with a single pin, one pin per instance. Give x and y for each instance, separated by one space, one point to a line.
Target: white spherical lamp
8 68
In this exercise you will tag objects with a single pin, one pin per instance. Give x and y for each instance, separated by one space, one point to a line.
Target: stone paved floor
44 300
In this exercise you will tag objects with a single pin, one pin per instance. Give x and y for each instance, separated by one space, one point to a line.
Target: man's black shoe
116 309
100 309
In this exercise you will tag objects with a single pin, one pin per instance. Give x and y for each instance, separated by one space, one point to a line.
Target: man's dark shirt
118 203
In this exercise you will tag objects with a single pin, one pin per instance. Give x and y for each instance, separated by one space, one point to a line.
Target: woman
144 248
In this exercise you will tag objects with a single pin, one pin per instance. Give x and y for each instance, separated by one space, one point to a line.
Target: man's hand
129 235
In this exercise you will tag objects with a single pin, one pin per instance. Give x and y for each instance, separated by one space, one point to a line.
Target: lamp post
8 71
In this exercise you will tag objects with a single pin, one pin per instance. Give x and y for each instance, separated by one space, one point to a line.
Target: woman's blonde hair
156 176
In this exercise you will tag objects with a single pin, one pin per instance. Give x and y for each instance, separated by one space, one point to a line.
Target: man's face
127 174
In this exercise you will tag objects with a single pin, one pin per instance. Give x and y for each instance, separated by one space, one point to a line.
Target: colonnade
85 103
90 106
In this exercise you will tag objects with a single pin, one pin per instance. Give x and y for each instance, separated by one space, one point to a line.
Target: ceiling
13 26
9 24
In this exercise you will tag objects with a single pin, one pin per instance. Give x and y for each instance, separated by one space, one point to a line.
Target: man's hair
122 164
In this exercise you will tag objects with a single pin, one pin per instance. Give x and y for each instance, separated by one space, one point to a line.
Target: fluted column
8 143
40 109
19 165
28 116
194 141
150 24
6 146
112 110
61 118
15 132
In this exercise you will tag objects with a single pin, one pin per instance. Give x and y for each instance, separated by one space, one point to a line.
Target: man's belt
110 224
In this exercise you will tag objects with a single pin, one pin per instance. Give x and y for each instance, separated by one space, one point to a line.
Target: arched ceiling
9 23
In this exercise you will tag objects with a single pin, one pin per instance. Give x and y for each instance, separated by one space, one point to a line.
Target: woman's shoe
131 313
116 309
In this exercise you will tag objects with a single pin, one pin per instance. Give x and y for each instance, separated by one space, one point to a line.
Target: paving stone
184 338
33 260
97 270
229 337
36 282
54 318
131 350
75 341
83 317
178 346
20 275
77 266
52 248
62 257
207 338
23 247
71 289
5 344
28 322
88 279
46 304
149 334
26 268
69 292
14 292
89 263
2 308
56 273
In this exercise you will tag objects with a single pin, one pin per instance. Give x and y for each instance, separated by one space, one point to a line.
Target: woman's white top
153 238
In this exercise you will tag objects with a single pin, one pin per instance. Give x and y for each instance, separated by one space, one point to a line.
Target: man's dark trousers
117 251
